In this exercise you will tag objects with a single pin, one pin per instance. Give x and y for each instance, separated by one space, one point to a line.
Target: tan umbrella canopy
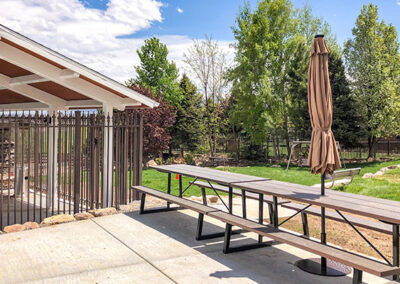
323 156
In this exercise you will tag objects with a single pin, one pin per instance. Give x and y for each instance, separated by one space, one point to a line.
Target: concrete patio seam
131 249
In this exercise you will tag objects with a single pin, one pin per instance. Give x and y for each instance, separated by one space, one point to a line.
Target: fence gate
55 164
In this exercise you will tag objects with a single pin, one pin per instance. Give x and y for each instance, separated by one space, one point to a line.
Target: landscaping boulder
212 199
151 163
196 198
385 169
379 173
392 167
31 225
368 175
103 212
57 219
14 228
275 166
83 216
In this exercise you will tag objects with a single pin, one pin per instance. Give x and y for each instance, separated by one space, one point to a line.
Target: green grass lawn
386 187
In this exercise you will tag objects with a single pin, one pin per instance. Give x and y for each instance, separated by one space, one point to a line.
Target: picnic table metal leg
271 213
169 188
395 248
142 201
228 229
244 210
180 185
304 221
157 210
275 202
260 213
200 221
357 276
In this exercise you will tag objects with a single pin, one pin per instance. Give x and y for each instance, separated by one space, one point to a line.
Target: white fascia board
74 66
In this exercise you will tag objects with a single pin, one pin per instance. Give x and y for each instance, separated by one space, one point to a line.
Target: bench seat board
336 254
176 200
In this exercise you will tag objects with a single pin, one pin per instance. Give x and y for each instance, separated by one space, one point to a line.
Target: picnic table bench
383 210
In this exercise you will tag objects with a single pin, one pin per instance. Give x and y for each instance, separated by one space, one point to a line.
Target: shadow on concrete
269 263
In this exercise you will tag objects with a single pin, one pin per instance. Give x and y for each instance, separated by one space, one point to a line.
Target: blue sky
105 34
216 17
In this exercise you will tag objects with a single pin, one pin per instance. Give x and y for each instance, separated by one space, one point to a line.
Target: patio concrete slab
74 251
150 248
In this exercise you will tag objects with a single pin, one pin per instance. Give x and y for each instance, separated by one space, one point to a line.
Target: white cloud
398 2
180 11
92 36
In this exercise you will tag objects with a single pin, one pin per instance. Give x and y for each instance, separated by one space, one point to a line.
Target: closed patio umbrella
323 157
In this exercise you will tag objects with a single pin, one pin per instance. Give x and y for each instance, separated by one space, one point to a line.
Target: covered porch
50 118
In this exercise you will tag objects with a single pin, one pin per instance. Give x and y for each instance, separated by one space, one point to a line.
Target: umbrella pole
320 266
323 232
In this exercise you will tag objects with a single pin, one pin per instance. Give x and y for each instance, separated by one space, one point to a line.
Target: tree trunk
182 152
274 147
371 144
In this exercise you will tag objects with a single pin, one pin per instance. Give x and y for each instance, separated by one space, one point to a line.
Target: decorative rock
103 212
83 216
196 198
31 225
57 219
151 163
368 175
212 199
392 167
275 166
130 207
378 173
14 228
384 169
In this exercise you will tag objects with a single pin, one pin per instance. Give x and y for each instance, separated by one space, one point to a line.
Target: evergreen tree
156 73
346 124
187 133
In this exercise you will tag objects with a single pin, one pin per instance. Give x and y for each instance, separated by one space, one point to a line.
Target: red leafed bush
156 123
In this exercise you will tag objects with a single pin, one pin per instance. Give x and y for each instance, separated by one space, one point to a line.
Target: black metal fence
67 163
382 149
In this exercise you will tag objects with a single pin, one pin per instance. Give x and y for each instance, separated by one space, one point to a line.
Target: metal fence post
77 161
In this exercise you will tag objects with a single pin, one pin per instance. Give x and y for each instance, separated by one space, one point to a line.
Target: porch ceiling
35 77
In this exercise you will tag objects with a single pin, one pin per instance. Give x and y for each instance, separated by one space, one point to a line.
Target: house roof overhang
34 77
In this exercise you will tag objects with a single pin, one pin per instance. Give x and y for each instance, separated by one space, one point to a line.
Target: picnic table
342 203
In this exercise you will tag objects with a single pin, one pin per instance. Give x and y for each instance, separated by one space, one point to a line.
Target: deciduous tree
156 73
208 63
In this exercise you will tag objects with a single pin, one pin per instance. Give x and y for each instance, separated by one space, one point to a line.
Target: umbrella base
313 265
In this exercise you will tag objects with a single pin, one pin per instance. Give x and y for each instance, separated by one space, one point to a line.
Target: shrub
189 159
159 161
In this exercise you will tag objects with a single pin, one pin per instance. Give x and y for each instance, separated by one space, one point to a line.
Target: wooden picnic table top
217 176
381 209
